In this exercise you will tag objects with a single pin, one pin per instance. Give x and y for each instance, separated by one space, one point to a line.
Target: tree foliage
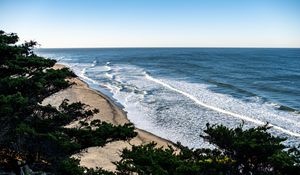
34 136
252 151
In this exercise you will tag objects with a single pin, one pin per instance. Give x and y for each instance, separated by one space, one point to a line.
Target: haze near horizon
136 23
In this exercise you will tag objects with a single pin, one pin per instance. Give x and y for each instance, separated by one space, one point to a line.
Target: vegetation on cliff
238 152
33 139
32 136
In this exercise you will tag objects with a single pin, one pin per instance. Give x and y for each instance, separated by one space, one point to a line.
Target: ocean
175 92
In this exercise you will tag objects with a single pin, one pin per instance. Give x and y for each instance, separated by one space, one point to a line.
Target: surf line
249 119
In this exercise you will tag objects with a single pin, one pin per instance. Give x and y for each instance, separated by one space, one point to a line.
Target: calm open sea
174 92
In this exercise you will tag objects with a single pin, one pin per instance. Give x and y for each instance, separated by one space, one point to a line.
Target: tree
252 151
32 135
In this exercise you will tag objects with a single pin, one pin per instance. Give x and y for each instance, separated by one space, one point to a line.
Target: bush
240 152
33 135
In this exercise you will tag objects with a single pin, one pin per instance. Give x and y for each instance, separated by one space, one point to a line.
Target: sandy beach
109 112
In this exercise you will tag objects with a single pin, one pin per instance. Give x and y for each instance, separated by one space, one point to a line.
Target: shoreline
110 112
115 106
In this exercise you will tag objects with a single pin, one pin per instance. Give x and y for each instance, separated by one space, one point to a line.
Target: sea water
174 92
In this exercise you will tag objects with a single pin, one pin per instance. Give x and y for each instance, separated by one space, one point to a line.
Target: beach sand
101 156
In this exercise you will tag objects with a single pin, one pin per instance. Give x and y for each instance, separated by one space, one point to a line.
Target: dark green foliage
5 38
33 135
71 167
76 109
254 150
99 133
11 109
39 85
240 152
42 137
12 104
48 118
148 159
98 171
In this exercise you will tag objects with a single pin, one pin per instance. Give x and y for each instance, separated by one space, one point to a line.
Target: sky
153 23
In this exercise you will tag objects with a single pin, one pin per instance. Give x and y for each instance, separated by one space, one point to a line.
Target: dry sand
101 156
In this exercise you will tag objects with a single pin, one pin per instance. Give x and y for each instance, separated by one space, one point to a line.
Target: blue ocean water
174 92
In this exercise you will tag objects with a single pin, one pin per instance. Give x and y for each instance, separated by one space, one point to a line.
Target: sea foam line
246 118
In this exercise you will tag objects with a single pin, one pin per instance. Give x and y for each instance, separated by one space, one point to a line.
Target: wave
217 109
155 106
285 108
109 75
85 77
107 66
94 63
289 109
150 106
229 86
59 58
277 106
174 101
80 70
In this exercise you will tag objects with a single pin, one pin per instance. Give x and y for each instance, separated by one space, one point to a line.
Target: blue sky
154 23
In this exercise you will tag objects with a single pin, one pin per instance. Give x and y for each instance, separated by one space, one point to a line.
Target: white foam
59 58
109 75
178 110
94 63
108 68
80 70
229 113
84 77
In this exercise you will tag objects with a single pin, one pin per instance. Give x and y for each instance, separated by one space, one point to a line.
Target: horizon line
154 47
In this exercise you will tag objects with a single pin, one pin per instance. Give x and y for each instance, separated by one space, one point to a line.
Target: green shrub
238 152
34 134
